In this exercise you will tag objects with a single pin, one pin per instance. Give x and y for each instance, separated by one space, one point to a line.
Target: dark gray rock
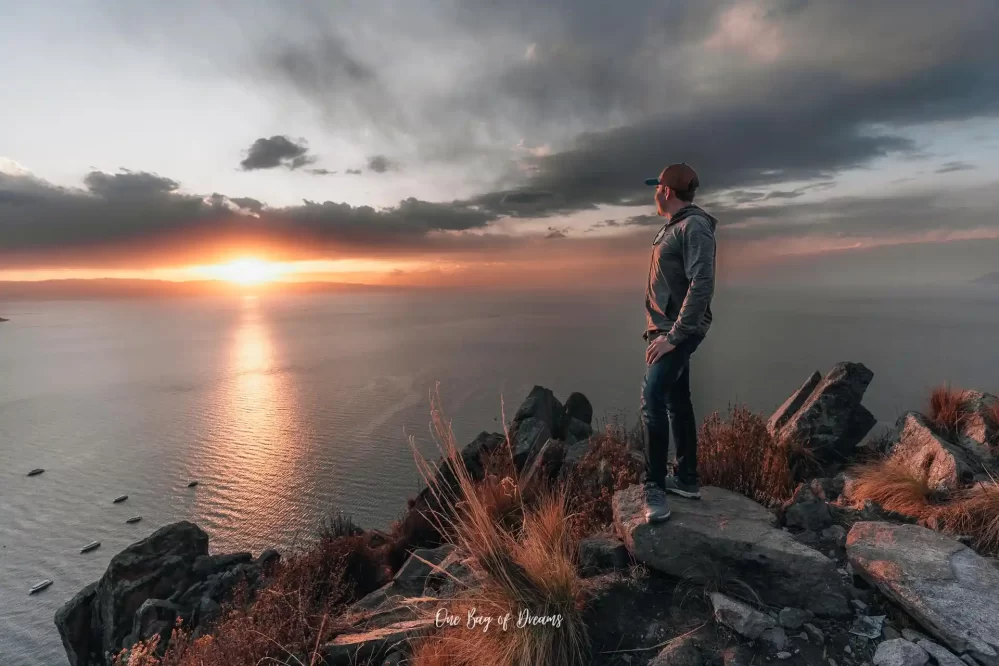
979 431
944 585
155 617
412 576
80 638
806 511
900 652
544 467
738 655
600 554
577 431
827 416
742 619
573 454
681 652
727 533
922 451
208 565
942 655
530 435
267 560
541 404
794 618
578 407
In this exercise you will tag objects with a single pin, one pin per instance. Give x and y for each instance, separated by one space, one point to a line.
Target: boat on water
36 471
40 586
192 484
134 519
93 545
120 499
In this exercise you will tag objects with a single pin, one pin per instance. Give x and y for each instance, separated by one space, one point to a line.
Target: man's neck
674 209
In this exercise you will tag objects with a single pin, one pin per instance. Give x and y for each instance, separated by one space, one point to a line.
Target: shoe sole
660 519
684 493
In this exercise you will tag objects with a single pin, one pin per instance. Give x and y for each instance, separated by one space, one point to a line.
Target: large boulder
921 451
826 416
544 467
978 430
146 587
726 534
541 404
944 585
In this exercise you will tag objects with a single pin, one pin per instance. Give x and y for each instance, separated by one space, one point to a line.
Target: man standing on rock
678 315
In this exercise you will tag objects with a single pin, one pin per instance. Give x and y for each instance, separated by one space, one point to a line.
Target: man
678 315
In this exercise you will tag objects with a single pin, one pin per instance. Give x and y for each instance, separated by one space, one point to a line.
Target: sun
247 271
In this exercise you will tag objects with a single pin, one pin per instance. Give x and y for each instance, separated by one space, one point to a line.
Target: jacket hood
691 210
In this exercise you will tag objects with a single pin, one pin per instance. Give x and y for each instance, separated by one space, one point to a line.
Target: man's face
662 194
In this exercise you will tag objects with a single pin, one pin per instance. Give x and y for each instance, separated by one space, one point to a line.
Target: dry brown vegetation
946 409
740 455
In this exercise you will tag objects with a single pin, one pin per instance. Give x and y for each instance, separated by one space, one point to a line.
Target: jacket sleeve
699 267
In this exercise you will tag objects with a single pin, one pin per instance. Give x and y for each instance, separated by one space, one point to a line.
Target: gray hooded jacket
681 277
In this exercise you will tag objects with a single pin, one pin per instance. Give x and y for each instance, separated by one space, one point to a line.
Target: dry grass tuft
740 455
946 410
992 416
975 512
894 487
526 562
607 467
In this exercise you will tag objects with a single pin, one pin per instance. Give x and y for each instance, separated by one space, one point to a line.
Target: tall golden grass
529 566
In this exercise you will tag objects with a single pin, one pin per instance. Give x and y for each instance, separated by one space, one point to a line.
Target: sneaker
656 509
689 490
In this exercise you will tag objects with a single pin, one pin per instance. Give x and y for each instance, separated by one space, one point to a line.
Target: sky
488 142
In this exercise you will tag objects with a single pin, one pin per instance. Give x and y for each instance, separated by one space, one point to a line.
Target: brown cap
680 177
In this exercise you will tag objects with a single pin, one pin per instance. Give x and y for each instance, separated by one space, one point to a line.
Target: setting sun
247 271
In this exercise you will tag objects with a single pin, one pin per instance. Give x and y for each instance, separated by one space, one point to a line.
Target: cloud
950 167
321 172
554 233
353 172
380 164
277 151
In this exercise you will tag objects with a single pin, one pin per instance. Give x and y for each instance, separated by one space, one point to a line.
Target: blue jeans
665 403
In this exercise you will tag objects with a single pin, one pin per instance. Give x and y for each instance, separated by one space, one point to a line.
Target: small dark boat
93 545
192 484
40 586
120 499
134 519
36 471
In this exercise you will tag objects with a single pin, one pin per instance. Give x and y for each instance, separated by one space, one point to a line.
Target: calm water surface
282 407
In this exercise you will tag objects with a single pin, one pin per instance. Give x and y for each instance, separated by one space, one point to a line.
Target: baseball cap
676 177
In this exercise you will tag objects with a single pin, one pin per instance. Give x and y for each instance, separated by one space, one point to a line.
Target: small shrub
740 455
607 467
893 486
975 512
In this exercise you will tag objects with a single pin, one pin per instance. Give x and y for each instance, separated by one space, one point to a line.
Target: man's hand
658 348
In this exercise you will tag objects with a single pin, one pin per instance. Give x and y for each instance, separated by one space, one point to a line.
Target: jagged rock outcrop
727 534
944 585
825 415
921 451
146 587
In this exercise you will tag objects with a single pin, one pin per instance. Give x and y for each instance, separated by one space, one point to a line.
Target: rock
776 636
806 511
913 636
868 626
155 617
835 534
79 637
815 632
573 454
454 575
793 618
889 632
268 560
577 431
544 467
395 659
944 585
600 554
737 655
877 441
742 619
828 489
578 407
727 532
412 576
969 661
528 438
978 429
827 416
900 652
682 652
156 567
783 655
208 565
349 649
921 451
942 655
541 404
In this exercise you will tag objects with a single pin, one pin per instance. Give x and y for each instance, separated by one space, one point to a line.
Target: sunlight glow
246 271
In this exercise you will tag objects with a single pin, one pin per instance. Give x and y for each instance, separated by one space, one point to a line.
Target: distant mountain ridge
989 278
120 288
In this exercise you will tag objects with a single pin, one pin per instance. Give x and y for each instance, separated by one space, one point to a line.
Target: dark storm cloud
753 94
353 172
277 151
380 164
554 233
138 209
